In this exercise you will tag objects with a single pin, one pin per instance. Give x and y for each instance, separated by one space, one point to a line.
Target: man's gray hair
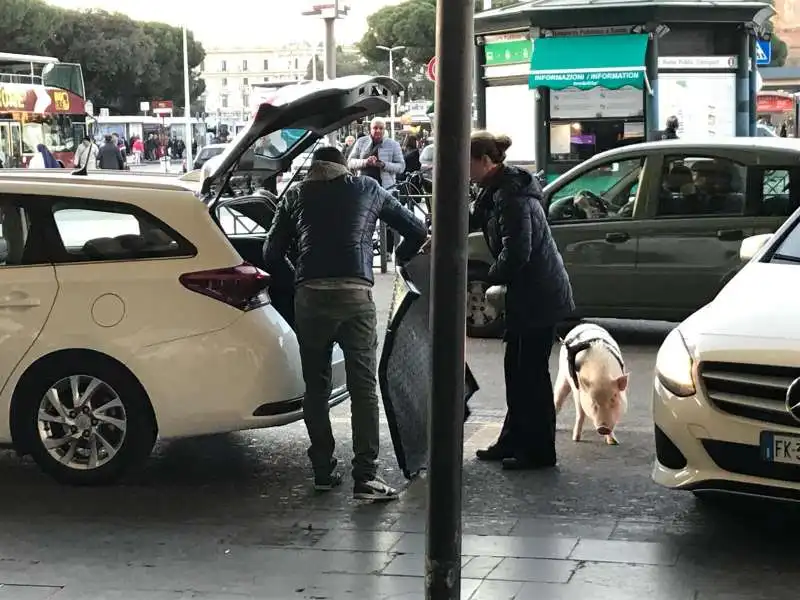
378 121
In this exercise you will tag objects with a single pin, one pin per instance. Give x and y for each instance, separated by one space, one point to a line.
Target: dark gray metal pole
454 40
753 95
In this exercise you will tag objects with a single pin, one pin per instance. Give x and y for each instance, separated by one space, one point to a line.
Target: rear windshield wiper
787 258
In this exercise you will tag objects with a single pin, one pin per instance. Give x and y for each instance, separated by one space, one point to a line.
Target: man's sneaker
374 489
325 483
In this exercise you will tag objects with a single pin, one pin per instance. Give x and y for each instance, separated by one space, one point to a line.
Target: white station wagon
127 313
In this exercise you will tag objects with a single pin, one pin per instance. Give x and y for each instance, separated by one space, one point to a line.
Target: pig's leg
580 417
611 440
561 390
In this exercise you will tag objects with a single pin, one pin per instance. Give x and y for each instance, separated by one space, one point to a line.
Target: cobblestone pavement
232 518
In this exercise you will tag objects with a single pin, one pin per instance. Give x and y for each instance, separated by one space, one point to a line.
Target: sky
241 23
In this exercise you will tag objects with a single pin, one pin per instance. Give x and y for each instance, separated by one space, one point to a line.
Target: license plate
780 448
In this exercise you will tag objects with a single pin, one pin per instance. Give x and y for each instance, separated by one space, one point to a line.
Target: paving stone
572 528
27 592
616 551
572 591
646 580
413 565
479 567
359 540
491 545
499 590
534 569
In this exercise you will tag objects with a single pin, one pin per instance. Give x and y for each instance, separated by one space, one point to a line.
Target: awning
585 62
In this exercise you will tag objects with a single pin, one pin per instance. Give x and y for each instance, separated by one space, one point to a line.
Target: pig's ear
622 382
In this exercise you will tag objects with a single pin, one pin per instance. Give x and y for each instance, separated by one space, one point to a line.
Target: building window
203 66
296 63
245 81
245 100
224 102
244 65
266 78
224 82
223 65
266 64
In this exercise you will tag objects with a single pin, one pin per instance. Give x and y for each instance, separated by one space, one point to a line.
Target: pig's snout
604 430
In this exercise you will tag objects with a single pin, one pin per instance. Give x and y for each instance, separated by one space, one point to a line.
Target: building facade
229 75
787 26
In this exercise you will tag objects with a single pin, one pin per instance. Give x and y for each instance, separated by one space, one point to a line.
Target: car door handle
617 238
730 235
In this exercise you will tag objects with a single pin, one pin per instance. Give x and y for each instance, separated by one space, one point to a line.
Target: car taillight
243 287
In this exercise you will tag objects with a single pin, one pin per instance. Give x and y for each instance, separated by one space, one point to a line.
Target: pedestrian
411 155
86 154
109 156
377 156
783 131
331 217
138 150
43 159
671 130
381 158
538 296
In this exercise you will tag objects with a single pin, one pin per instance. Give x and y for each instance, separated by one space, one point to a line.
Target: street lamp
391 52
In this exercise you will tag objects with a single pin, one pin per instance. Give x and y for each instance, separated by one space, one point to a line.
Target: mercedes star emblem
793 399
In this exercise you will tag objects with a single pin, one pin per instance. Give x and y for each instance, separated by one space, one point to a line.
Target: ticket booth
568 79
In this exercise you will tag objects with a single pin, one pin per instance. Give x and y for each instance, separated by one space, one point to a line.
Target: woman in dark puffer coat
538 297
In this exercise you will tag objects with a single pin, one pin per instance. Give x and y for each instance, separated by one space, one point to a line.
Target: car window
693 186
16 245
207 153
277 143
121 232
607 191
777 197
234 223
789 248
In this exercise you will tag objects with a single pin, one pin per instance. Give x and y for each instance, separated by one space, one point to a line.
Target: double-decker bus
42 101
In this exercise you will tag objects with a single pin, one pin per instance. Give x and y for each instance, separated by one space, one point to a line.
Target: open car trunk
285 126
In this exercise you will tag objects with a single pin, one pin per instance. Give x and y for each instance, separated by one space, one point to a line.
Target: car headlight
675 365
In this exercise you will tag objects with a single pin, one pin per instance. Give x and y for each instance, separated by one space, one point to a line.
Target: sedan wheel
85 424
483 319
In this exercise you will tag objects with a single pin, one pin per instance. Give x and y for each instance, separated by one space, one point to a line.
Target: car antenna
81 171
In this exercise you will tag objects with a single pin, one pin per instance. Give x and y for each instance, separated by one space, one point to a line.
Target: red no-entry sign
430 71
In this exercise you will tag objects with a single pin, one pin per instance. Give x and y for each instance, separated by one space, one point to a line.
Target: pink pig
592 369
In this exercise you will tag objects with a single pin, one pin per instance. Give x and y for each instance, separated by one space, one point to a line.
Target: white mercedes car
132 310
727 388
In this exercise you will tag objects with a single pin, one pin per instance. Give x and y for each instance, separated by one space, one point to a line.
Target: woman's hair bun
503 142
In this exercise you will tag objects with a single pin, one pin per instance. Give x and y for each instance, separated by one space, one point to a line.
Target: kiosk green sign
609 61
508 52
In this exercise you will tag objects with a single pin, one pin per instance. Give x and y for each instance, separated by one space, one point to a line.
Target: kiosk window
778 199
701 186
605 192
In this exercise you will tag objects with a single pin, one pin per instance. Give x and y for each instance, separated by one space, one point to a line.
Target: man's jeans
347 317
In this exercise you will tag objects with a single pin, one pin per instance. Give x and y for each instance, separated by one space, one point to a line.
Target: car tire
111 430
483 321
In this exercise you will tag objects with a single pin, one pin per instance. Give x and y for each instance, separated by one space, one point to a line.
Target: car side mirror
752 245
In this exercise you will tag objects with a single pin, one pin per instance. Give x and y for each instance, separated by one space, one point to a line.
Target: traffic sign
430 70
763 52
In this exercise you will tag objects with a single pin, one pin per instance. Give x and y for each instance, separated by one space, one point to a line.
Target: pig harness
582 338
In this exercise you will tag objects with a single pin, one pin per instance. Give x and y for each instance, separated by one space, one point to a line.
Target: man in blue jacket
330 220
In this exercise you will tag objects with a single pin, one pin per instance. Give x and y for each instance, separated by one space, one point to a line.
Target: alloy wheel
82 422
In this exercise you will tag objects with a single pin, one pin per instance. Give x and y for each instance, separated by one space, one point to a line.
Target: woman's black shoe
518 464
493 453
